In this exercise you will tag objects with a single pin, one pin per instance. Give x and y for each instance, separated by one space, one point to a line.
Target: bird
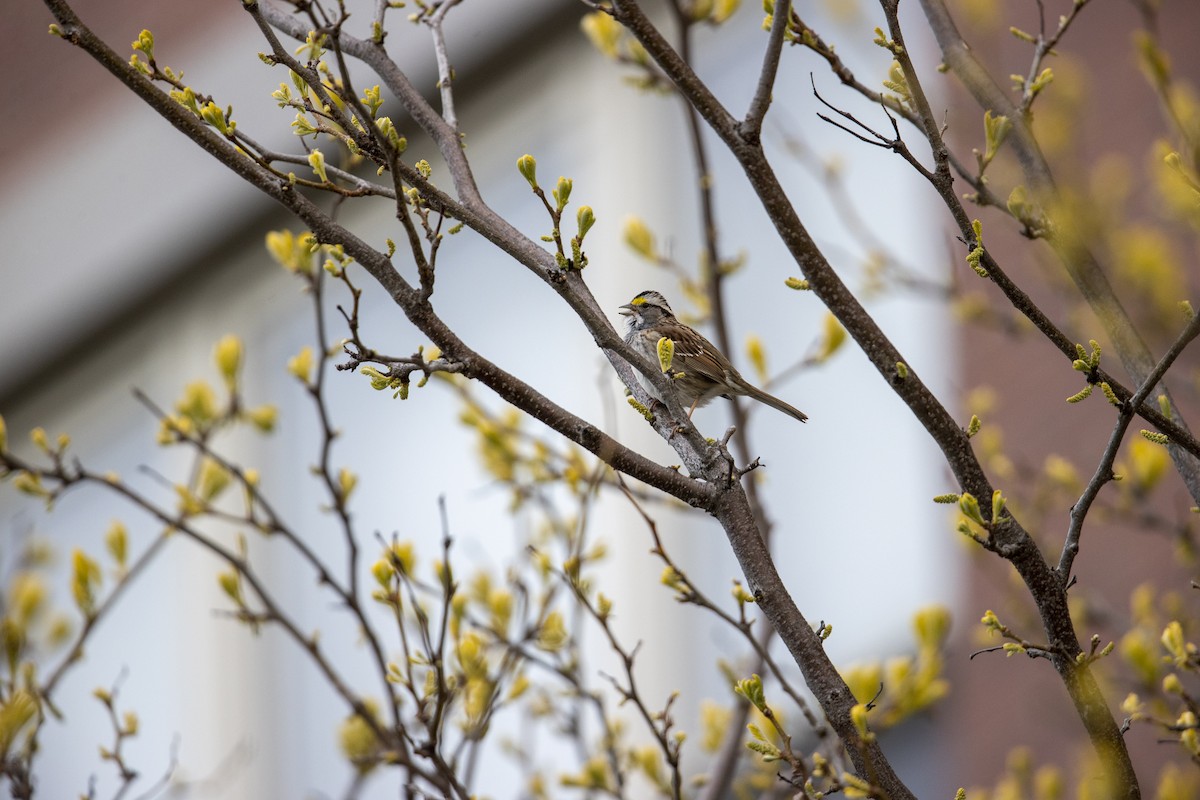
701 371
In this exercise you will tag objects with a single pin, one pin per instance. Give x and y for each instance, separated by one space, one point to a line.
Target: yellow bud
403 557
562 191
603 31
316 160
231 584
833 336
39 438
932 623
585 218
27 595
639 238
752 689
670 577
300 365
31 484
1175 643
117 542
263 417
19 708
527 166
519 686
347 480
757 356
471 656
724 10
382 571
858 715
500 604
1148 463
552 634
3 435
229 359
969 506
358 742
85 579
478 696
198 404
213 480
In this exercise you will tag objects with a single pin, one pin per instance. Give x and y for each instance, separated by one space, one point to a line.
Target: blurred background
129 253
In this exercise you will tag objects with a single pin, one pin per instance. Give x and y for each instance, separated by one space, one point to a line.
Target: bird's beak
628 313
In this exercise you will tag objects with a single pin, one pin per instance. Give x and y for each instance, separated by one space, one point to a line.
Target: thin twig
1104 470
757 112
445 71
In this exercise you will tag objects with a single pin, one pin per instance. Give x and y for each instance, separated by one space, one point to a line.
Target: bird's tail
776 403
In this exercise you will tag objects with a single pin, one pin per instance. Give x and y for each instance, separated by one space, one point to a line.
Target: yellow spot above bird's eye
638 301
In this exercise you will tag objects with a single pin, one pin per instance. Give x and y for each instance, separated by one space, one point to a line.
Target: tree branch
1081 264
752 124
1104 472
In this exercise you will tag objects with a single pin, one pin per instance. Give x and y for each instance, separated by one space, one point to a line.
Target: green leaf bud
527 166
562 192
973 426
752 689
969 507
144 43
584 220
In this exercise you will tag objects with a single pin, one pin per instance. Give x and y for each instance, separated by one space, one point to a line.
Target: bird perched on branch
700 371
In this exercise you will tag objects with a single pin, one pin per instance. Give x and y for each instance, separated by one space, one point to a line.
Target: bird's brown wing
697 356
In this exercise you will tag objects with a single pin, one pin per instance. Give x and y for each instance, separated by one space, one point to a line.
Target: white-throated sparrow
702 372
